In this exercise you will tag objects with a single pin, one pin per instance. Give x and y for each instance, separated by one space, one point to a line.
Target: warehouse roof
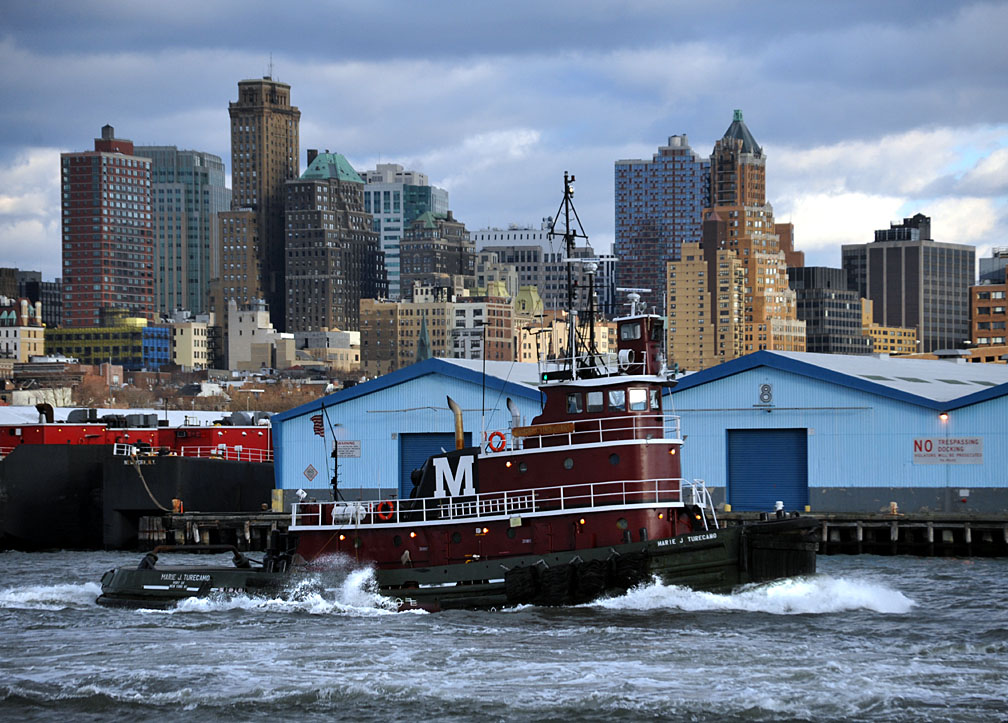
937 384
512 378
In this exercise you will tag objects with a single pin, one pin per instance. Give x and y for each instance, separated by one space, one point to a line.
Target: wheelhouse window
617 400
638 400
657 333
655 400
595 401
630 330
574 403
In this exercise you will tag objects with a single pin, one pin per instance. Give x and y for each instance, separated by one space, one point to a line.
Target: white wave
793 596
49 597
356 595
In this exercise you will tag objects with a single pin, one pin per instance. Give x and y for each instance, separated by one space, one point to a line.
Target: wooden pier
840 534
924 535
244 530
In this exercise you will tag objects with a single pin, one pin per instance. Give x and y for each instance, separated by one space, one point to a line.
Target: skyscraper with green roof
333 259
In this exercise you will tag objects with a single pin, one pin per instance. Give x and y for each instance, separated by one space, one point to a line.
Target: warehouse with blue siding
842 433
372 435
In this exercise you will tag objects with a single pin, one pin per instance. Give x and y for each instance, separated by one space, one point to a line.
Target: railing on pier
585 497
653 425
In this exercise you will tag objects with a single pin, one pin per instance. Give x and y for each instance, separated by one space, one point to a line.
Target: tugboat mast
570 234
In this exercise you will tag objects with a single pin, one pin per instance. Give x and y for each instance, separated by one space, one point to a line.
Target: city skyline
868 113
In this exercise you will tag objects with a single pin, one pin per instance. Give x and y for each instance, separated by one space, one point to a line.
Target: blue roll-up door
766 465
415 448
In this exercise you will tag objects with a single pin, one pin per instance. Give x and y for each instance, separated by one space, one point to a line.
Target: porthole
622 523
511 533
568 463
397 541
456 537
614 459
522 467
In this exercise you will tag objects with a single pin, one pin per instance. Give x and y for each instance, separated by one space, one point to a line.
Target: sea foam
794 596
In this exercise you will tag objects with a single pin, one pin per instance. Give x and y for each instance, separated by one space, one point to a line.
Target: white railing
236 453
221 451
593 430
672 491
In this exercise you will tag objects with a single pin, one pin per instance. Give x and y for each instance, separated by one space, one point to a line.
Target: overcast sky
868 111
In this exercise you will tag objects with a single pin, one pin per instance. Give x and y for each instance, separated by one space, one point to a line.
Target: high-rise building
264 156
740 220
989 303
886 339
540 261
333 257
395 198
187 193
992 269
658 209
238 261
434 249
831 312
705 308
108 241
915 282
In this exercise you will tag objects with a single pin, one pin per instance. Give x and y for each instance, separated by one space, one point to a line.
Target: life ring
386 510
497 442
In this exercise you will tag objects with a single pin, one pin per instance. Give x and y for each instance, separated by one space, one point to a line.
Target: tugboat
585 501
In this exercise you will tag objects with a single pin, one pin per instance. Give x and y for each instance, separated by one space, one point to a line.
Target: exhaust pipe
457 411
515 414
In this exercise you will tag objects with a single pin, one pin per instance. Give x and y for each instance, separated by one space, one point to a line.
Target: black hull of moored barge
715 560
83 497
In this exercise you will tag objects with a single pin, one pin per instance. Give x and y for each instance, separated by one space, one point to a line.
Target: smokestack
457 411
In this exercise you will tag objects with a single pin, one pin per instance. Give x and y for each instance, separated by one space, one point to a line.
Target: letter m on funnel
458 484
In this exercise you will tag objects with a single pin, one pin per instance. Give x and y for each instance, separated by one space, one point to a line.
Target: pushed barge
585 501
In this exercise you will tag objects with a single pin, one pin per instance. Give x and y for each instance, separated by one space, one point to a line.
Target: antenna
270 74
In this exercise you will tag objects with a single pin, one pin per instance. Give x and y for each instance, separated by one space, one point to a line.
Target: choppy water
868 638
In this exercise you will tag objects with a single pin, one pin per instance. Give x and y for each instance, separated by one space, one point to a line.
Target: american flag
317 424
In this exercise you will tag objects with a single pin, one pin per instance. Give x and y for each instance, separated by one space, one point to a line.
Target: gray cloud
495 101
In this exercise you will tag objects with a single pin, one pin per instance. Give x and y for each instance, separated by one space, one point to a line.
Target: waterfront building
915 281
108 241
831 312
187 194
848 434
333 254
395 198
659 206
264 156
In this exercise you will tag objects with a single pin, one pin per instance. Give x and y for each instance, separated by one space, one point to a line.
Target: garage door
766 465
414 449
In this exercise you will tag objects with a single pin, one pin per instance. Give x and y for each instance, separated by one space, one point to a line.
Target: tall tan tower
742 221
264 155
